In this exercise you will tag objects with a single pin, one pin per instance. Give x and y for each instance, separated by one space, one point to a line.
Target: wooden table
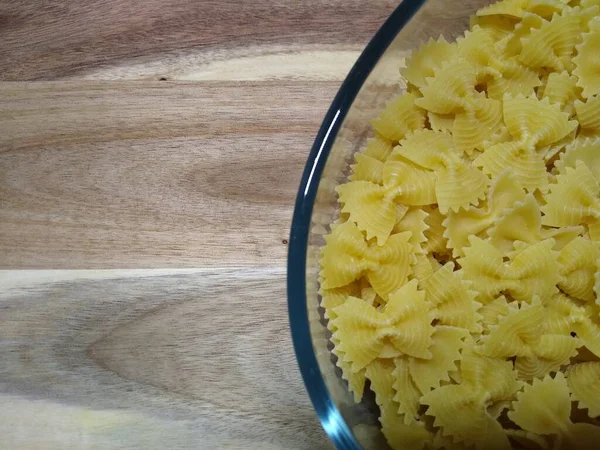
150 153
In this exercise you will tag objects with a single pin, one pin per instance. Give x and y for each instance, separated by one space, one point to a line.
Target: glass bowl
372 81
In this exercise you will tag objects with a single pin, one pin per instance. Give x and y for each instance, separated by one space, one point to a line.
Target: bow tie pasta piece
517 8
587 66
399 118
471 129
533 270
499 26
586 151
535 122
578 261
553 44
510 45
441 122
458 184
369 162
562 88
400 433
404 322
463 411
373 208
588 115
573 200
460 412
524 163
531 123
523 222
446 348
544 408
494 379
454 301
499 75
503 193
521 333
347 257
451 89
330 298
553 351
492 312
584 383
516 333
423 62
562 316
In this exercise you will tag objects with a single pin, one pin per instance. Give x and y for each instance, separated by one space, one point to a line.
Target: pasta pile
462 278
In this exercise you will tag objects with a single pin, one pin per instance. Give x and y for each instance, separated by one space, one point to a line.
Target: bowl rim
329 415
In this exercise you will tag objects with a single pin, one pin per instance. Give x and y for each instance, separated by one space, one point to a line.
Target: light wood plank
172 38
150 174
150 359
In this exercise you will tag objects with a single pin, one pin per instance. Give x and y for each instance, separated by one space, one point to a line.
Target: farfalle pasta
461 281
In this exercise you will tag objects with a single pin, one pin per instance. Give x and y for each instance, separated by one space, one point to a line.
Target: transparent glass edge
330 417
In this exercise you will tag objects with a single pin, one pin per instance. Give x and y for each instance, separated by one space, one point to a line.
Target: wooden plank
142 359
175 38
151 174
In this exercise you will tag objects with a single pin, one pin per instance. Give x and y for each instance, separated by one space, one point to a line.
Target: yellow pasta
404 322
500 75
457 184
588 115
586 62
544 408
463 411
532 123
573 200
423 62
517 8
461 280
435 234
578 267
400 117
523 222
532 270
584 384
373 208
562 88
552 45
586 151
503 193
454 302
446 349
347 257
424 268
413 221
510 45
562 316
406 393
399 434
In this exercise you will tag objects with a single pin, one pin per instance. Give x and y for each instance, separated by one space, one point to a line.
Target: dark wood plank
58 38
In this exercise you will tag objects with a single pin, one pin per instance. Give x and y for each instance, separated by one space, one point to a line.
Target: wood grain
150 174
150 359
58 38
